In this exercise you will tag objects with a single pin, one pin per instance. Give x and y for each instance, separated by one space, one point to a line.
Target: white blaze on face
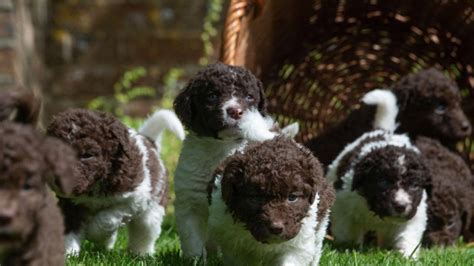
233 102
403 198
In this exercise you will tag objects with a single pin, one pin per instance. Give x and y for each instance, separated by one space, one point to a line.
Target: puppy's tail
19 105
387 108
158 122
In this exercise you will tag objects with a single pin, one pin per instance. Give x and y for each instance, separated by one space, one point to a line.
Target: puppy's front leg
72 243
290 261
408 239
192 230
103 226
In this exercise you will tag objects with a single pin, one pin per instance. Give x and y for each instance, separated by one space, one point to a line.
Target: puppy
270 205
379 180
31 225
450 195
223 107
121 178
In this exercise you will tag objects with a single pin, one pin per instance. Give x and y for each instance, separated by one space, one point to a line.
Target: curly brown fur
259 185
19 105
31 227
429 105
451 198
109 162
199 105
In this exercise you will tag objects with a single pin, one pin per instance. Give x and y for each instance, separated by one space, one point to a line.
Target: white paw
72 244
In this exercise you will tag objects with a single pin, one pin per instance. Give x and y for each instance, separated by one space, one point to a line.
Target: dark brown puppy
451 199
429 105
270 203
31 225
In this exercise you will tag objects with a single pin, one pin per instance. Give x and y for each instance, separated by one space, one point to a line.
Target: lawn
168 251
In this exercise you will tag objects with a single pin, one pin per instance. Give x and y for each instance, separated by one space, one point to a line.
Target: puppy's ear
262 105
183 105
404 91
19 105
61 161
121 153
233 175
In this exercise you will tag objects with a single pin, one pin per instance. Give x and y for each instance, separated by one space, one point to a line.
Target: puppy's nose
399 208
465 126
6 216
234 112
276 228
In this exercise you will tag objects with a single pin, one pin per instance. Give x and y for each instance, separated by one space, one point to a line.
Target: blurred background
127 51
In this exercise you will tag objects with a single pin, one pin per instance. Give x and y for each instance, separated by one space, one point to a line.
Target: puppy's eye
86 156
440 109
212 97
249 98
292 198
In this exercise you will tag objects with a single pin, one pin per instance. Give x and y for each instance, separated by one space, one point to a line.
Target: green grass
168 251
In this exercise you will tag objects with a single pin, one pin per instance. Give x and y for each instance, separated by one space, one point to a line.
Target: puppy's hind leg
144 230
102 229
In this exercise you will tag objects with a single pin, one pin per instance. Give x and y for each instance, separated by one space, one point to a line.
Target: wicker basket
316 58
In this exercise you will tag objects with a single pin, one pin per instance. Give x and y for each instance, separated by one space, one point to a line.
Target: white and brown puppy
223 107
121 178
379 181
270 205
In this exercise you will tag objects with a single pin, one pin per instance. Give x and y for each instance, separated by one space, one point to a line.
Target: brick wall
73 51
20 40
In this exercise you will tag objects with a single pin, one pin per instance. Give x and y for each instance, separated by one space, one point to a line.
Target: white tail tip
387 108
161 120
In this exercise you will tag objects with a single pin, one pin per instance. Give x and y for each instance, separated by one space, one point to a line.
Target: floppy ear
19 105
120 173
61 161
183 105
262 105
232 176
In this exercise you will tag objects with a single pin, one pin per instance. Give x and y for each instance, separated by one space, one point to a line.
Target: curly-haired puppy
429 104
31 225
450 197
379 180
269 205
223 107
121 178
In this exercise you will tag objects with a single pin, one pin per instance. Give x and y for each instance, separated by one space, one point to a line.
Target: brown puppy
121 179
270 204
31 225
